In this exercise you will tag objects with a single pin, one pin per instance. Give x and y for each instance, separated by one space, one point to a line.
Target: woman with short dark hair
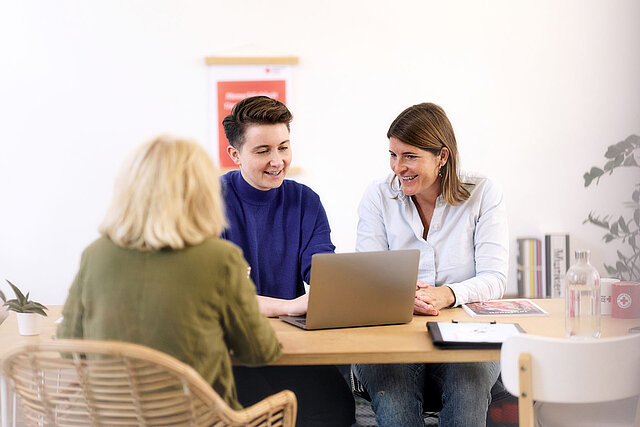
279 224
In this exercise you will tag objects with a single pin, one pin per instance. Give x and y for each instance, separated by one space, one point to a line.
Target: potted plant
27 312
626 230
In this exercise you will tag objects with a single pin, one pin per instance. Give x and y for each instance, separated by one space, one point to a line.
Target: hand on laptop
298 306
274 307
430 299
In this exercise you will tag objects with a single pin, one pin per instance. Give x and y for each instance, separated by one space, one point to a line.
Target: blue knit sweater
278 231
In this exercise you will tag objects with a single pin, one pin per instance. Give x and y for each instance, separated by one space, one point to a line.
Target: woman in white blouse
458 222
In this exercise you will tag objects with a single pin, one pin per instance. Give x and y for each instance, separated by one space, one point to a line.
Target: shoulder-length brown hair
166 195
427 127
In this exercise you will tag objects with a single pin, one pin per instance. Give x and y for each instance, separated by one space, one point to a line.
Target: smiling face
265 155
417 169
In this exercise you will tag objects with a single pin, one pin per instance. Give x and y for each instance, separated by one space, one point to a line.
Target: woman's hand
297 306
274 307
420 306
430 299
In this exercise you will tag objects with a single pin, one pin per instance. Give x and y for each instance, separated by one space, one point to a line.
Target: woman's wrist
452 299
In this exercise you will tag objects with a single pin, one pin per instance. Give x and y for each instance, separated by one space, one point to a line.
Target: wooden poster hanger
257 60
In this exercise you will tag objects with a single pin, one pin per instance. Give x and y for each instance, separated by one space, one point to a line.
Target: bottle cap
582 254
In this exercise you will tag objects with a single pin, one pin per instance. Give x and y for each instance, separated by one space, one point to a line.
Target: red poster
229 93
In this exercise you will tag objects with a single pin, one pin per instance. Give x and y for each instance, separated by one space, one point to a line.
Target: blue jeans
397 391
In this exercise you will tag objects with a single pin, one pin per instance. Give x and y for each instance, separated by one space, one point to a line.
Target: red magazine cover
504 307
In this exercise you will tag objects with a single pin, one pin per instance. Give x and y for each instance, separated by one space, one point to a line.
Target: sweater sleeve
73 310
317 236
248 333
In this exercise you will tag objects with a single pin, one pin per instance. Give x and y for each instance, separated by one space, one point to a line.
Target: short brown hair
427 127
257 110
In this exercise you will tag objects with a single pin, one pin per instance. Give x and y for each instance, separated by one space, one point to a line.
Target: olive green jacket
195 304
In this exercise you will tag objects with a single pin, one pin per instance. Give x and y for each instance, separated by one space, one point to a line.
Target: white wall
535 90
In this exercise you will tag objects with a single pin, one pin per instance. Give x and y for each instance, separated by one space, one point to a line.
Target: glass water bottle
582 298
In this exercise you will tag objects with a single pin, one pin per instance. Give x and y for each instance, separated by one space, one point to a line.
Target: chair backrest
572 371
85 382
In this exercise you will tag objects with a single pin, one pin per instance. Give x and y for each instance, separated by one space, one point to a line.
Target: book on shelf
504 307
557 262
530 279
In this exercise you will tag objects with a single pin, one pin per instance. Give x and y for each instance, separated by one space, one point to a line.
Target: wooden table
411 343
376 344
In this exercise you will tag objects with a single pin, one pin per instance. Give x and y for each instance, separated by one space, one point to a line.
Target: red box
625 300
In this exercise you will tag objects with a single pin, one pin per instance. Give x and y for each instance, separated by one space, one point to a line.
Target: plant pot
28 323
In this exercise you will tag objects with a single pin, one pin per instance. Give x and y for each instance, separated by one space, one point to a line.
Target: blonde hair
167 194
427 127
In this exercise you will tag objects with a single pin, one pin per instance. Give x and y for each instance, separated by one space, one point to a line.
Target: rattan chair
96 383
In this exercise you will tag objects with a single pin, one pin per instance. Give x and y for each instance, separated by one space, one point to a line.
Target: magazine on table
505 307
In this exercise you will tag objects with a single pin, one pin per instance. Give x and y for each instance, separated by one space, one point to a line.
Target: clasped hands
430 299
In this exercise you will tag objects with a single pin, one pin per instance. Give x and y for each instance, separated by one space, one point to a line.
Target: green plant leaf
625 146
14 305
613 151
597 221
608 167
623 225
591 175
33 308
38 310
633 140
621 256
2 296
37 304
610 270
21 303
16 291
619 159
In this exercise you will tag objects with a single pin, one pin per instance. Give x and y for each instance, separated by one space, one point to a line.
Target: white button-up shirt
467 247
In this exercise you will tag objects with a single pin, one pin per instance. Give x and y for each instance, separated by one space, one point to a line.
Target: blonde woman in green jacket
159 275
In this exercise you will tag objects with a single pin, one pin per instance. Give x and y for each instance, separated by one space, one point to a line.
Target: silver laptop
360 289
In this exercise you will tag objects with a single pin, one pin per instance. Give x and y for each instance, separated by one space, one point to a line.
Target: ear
234 154
444 156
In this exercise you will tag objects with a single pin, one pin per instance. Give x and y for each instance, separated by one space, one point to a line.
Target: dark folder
471 335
